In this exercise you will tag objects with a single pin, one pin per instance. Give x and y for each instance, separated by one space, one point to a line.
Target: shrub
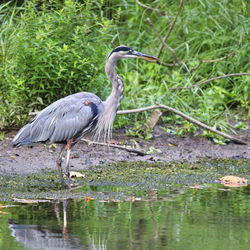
51 51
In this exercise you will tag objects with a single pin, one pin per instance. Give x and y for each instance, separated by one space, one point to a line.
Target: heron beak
144 56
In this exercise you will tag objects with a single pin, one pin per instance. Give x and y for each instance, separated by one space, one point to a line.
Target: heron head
126 52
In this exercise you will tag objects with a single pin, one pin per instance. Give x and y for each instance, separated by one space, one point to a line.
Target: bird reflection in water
44 237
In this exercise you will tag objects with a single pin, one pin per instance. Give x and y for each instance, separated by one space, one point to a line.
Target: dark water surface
209 216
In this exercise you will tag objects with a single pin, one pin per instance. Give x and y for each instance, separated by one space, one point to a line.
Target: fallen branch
115 146
170 28
212 79
190 119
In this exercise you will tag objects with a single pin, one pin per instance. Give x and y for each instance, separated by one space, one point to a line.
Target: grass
53 49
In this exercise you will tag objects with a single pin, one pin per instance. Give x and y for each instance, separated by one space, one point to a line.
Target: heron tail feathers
22 137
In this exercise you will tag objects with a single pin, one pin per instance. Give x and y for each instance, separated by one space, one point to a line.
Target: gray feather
64 119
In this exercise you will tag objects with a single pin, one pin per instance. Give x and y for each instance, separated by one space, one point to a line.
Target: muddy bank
166 148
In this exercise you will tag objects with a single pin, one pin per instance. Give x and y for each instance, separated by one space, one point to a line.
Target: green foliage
50 52
153 150
50 49
2 135
204 30
140 130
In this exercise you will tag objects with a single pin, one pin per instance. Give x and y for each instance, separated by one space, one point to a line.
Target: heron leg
65 204
59 165
69 145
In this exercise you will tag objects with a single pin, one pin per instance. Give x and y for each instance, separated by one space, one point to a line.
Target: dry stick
196 67
169 65
221 58
115 146
192 120
170 28
150 8
211 79
175 59
226 56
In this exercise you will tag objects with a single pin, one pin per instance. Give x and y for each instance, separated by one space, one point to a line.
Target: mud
166 148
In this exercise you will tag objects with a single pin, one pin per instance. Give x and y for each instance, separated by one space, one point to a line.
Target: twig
226 56
196 67
170 28
190 119
169 65
115 146
175 59
221 58
211 79
150 8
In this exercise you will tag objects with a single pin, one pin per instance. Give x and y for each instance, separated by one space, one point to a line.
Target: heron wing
69 117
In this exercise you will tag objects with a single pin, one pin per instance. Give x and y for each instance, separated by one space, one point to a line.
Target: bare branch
115 146
212 79
169 65
131 111
226 56
188 118
221 58
150 8
196 67
175 59
156 106
170 28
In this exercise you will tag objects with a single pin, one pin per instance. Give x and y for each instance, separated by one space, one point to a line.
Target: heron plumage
63 120
68 119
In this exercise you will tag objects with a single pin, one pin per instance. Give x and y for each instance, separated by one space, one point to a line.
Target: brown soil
27 159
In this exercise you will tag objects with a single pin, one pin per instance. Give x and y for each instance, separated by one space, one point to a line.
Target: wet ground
167 199
163 147
128 205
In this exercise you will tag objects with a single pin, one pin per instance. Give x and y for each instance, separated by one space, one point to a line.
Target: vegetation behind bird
55 49
69 119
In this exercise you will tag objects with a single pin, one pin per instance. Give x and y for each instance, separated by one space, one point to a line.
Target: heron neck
110 106
114 99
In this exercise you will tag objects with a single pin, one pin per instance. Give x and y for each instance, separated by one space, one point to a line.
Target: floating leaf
29 201
233 181
87 198
74 174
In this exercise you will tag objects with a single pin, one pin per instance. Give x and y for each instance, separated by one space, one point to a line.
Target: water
210 216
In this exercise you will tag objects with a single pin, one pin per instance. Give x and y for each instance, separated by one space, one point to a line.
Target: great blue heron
68 119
